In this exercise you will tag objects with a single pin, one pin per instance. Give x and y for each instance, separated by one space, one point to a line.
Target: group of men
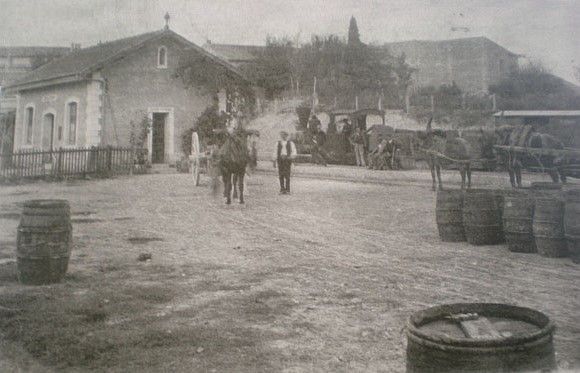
383 157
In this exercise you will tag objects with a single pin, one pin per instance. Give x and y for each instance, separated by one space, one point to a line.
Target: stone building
102 95
472 63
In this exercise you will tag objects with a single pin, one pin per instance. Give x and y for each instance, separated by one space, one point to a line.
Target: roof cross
167 17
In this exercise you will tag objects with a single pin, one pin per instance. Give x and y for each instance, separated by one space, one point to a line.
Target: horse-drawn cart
200 161
569 158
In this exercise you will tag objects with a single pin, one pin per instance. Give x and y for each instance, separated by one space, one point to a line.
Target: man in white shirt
284 153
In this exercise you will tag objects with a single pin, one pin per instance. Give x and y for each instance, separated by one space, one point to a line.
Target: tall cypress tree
353 35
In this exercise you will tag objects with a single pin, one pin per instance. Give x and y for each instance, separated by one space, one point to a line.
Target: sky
542 30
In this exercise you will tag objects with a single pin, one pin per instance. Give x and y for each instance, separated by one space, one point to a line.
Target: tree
533 87
353 35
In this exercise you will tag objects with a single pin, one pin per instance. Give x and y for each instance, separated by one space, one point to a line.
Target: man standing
319 156
358 142
284 154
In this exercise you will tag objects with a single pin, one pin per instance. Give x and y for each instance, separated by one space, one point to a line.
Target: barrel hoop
441 344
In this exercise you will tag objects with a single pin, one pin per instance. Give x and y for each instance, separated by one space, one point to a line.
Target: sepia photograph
290 186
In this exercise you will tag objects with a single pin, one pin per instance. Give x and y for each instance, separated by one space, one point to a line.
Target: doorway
159 121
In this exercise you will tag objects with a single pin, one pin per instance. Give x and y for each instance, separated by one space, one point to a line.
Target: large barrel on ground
572 223
482 217
548 227
518 214
449 215
44 241
479 337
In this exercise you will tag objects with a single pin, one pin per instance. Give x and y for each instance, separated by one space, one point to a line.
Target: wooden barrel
548 227
479 337
44 241
572 223
482 217
518 213
449 215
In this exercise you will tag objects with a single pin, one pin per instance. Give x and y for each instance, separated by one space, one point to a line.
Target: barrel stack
482 217
548 227
44 242
572 223
518 213
449 215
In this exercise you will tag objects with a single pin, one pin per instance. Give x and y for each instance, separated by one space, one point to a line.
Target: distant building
472 63
95 96
16 62
238 55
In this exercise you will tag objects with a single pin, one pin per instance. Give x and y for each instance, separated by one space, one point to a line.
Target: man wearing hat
284 153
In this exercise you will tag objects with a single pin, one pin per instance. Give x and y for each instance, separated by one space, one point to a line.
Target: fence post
109 159
432 104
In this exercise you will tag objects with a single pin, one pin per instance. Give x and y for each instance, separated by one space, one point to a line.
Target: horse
233 158
527 136
441 151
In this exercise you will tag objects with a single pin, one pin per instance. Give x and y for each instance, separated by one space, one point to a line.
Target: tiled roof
235 53
538 113
447 42
86 60
32 51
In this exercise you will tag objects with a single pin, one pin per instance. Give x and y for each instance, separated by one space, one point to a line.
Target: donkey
441 151
233 158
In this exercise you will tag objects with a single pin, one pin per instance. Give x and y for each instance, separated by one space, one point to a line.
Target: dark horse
233 158
526 136
441 151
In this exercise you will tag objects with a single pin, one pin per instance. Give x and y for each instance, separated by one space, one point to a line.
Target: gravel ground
320 280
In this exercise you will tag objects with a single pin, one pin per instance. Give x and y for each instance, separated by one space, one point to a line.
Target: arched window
162 57
72 109
29 125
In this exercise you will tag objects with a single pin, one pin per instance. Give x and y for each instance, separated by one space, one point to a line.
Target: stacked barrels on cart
572 223
44 241
541 219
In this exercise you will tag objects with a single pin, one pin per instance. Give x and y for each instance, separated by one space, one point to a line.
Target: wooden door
158 141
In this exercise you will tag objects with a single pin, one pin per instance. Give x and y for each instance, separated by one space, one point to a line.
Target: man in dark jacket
284 154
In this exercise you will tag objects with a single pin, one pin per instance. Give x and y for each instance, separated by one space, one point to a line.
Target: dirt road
320 280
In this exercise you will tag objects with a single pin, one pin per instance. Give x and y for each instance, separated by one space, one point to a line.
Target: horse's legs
227 177
438 169
510 169
518 171
553 172
240 178
468 171
432 168
234 185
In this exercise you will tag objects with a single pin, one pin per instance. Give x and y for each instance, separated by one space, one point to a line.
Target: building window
72 108
162 57
29 125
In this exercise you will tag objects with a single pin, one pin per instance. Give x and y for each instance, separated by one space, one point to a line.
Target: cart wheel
195 158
